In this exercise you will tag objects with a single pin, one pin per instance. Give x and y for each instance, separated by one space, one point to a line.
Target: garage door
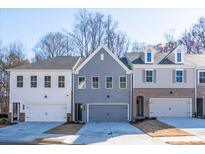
108 113
46 113
170 107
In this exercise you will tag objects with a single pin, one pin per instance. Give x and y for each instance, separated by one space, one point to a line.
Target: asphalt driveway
112 133
26 132
192 125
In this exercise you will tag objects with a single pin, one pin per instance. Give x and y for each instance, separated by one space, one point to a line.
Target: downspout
196 81
72 104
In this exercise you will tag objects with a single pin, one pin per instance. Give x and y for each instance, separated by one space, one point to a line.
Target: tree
93 29
137 46
11 55
53 44
194 39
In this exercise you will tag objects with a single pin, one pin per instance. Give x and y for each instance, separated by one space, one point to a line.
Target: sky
143 25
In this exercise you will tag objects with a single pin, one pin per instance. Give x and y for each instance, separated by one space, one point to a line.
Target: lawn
155 128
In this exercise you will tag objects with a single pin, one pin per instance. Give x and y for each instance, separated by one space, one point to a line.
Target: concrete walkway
111 134
191 125
26 132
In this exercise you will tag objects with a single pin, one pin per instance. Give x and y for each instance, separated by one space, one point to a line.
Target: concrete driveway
112 133
26 132
192 125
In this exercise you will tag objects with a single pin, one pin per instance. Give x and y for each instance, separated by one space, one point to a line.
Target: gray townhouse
102 88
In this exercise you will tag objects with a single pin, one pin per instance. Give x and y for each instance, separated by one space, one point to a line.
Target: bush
4 121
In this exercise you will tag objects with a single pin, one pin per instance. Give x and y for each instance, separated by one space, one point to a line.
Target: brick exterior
201 94
22 117
148 93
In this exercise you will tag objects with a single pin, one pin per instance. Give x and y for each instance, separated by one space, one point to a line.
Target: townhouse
103 87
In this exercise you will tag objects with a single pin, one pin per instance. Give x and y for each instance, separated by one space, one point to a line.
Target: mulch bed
155 128
67 129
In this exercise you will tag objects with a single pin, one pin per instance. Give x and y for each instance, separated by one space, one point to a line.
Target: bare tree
137 46
12 55
93 29
194 39
53 44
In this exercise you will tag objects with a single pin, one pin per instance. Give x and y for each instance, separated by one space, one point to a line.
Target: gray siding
96 67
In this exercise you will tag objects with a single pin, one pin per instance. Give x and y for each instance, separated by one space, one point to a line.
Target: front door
140 106
16 111
78 112
200 107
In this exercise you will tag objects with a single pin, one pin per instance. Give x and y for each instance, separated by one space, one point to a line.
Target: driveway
26 132
112 133
192 125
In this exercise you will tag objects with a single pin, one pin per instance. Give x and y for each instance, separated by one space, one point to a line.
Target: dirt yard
155 128
1 126
186 142
67 129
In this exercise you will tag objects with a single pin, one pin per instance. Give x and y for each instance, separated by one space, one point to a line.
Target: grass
186 142
67 129
155 128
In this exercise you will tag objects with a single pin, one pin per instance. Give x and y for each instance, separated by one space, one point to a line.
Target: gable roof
61 62
110 53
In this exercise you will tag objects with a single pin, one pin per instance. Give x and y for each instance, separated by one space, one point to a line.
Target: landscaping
155 128
4 122
66 128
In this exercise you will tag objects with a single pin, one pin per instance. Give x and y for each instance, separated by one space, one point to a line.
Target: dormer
177 56
149 54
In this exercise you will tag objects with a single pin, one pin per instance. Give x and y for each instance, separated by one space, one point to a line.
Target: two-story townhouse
163 84
102 88
199 62
42 91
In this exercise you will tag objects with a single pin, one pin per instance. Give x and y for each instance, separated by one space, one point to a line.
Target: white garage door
46 113
170 107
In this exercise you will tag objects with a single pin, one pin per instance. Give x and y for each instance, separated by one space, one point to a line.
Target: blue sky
143 25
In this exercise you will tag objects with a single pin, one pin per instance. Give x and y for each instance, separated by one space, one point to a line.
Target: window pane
109 82
20 81
61 81
95 82
149 76
149 56
47 81
179 76
81 82
122 82
179 57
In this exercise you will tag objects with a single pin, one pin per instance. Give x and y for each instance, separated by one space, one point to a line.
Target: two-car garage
107 112
46 113
170 107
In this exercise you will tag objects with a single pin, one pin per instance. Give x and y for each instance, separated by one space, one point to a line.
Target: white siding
164 79
28 95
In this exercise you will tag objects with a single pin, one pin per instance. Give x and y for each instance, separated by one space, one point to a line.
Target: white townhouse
42 91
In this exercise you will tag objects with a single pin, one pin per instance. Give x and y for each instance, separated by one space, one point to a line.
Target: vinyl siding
164 79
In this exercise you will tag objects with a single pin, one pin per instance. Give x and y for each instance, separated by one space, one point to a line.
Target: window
61 81
81 82
201 77
33 81
149 75
47 81
101 56
179 57
19 81
123 82
179 75
95 82
149 57
109 82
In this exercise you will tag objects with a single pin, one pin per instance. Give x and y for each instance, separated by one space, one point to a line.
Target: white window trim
125 82
106 82
98 82
199 76
152 59
176 75
78 82
182 57
36 81
45 81
146 75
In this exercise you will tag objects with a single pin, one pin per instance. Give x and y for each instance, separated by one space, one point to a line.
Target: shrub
4 121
